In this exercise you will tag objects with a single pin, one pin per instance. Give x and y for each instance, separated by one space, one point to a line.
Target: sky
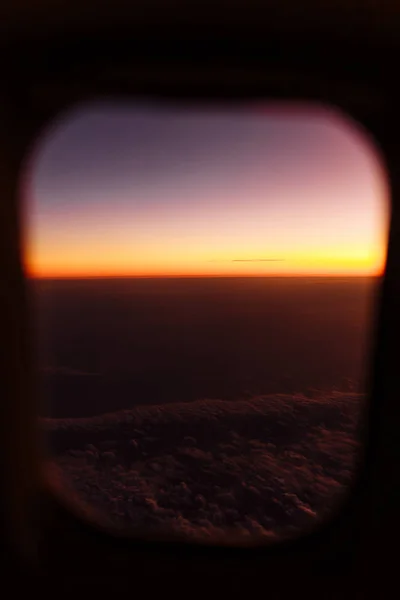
118 189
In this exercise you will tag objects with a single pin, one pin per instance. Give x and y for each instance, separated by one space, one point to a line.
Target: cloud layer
269 466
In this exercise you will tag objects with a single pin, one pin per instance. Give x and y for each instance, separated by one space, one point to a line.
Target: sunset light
160 191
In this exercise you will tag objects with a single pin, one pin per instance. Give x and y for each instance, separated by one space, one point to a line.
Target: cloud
258 260
249 260
265 466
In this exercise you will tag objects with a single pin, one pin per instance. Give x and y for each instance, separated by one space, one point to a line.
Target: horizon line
271 276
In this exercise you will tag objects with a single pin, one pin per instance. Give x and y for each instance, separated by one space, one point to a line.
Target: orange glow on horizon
59 259
335 264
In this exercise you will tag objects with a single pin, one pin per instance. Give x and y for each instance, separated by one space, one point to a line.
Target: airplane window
203 284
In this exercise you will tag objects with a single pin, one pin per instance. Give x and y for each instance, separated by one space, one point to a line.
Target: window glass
203 284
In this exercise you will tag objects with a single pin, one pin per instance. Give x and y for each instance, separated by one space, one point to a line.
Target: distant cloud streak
250 260
67 371
258 260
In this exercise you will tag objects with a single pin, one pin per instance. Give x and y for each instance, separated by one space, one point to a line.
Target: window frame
38 90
